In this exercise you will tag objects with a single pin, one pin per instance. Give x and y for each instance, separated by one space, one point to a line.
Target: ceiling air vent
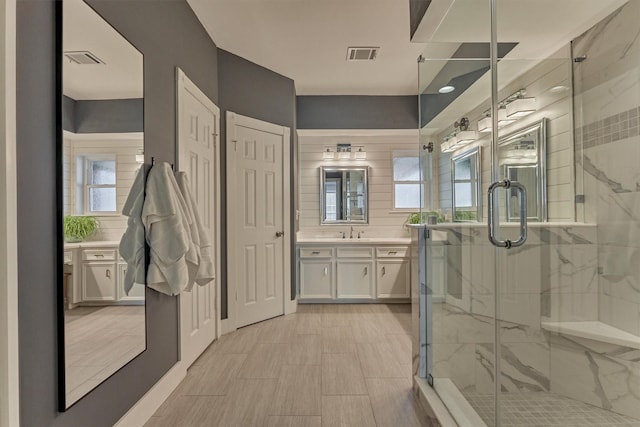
83 58
362 53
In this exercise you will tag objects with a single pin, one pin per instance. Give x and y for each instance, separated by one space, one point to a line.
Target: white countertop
355 241
93 244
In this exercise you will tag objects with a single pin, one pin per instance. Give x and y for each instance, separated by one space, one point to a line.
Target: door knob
279 233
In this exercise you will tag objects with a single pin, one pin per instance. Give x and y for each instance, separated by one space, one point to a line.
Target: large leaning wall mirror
102 294
343 195
465 179
521 157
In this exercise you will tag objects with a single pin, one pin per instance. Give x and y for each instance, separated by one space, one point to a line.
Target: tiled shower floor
546 409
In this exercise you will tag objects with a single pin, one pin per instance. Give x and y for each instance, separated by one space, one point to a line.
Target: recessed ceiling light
446 89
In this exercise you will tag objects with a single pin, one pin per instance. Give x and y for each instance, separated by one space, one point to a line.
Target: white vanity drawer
68 257
355 252
395 252
98 254
316 252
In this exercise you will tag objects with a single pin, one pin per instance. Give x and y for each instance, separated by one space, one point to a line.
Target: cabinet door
137 291
316 279
355 279
393 278
99 281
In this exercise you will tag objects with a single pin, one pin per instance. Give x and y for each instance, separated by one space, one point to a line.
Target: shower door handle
506 184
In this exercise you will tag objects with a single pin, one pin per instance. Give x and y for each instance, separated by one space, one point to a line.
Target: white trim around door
233 121
9 372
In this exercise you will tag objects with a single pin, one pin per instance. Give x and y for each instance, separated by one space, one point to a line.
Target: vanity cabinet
316 271
97 276
99 281
353 272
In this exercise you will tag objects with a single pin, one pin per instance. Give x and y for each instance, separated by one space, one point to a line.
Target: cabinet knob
384 271
366 271
108 273
326 271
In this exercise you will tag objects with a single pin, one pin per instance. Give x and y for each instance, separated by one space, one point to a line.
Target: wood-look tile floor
98 342
326 365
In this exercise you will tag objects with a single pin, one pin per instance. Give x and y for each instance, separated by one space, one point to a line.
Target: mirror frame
366 189
59 186
478 187
540 127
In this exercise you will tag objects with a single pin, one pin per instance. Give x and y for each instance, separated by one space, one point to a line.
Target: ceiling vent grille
362 53
83 58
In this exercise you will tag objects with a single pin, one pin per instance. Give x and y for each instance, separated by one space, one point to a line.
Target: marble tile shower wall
552 278
608 134
608 145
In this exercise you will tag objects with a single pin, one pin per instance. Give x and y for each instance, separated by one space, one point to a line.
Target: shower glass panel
458 263
545 333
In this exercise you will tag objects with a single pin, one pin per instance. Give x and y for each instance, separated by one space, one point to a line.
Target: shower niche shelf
594 330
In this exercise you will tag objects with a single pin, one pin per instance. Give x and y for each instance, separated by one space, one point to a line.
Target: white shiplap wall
557 107
125 147
379 145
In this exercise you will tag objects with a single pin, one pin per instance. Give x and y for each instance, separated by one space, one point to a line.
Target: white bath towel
205 270
168 223
132 242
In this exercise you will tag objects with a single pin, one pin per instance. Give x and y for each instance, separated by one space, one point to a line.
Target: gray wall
357 112
103 115
161 30
254 91
417 10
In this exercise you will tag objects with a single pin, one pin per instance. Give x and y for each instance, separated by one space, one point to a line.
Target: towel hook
153 163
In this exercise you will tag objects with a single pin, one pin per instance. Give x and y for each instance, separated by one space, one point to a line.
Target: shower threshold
518 409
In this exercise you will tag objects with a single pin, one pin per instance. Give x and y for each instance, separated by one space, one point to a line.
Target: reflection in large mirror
465 179
102 152
343 192
521 157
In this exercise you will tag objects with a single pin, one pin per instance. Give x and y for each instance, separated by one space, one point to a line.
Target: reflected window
96 184
407 181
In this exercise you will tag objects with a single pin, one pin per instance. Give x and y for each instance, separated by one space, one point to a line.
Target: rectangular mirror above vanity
343 192
101 303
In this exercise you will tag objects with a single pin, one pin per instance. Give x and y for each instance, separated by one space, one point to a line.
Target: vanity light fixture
460 137
518 105
360 154
344 151
503 117
486 123
510 109
327 154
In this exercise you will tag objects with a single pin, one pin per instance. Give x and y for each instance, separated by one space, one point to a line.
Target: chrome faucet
351 233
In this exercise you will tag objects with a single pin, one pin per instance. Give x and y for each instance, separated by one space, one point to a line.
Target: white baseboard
227 326
291 307
144 408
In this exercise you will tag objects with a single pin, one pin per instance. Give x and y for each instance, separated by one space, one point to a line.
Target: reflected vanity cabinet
353 272
94 275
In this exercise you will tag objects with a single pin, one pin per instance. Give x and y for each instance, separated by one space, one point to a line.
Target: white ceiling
121 77
307 40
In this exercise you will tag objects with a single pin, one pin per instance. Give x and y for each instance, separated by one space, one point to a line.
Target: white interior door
198 156
258 218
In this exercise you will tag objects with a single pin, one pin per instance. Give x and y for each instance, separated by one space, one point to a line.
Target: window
96 189
407 181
